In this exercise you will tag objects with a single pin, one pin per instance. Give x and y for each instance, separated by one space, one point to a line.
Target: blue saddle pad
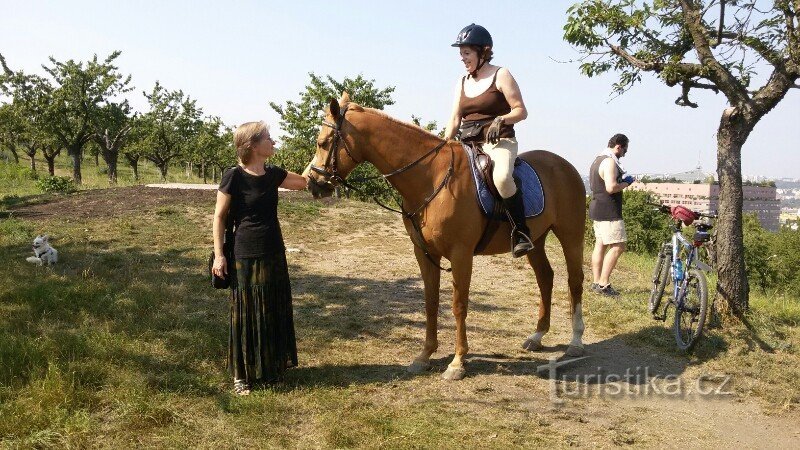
532 193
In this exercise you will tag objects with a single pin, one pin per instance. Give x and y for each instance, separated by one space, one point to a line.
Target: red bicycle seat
684 214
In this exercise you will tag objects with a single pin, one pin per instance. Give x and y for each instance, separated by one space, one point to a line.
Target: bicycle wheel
660 277
690 314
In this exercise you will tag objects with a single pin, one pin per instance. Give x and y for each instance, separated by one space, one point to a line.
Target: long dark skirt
261 341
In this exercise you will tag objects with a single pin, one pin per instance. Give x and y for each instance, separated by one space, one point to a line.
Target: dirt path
620 394
661 404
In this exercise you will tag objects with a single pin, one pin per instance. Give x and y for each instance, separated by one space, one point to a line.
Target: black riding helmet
475 35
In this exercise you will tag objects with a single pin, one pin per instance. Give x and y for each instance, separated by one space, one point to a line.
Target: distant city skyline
236 58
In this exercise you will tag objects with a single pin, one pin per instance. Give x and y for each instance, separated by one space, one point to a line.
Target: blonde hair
246 136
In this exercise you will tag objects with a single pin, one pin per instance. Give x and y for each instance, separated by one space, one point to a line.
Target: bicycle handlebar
662 208
668 210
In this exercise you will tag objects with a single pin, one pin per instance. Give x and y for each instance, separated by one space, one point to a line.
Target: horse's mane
407 125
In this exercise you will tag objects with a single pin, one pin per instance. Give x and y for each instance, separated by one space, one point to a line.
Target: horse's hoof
454 373
418 366
532 345
574 351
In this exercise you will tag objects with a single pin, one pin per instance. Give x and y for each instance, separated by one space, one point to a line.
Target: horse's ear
345 98
333 107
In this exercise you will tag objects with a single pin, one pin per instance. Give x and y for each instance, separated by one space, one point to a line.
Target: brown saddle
484 165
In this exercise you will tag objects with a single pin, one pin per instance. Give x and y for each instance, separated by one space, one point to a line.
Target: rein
333 175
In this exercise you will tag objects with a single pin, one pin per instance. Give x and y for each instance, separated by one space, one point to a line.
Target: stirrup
522 246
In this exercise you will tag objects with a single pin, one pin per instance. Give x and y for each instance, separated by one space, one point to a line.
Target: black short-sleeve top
254 206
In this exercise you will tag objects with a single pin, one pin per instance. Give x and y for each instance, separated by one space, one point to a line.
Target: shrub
12 173
772 260
646 227
62 185
784 260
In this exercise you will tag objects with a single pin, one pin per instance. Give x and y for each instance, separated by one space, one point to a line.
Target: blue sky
236 57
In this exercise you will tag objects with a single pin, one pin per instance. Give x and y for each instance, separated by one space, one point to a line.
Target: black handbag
472 130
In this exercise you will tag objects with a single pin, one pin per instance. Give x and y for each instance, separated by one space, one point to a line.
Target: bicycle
679 261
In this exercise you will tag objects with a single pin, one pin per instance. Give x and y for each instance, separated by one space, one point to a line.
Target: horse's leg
462 275
572 244
537 258
431 276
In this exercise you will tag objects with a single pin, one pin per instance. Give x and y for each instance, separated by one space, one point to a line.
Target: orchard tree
80 92
169 127
226 154
23 122
133 152
209 144
10 129
112 125
717 45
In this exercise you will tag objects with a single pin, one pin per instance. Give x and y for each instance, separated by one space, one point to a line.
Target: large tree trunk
110 157
134 163
13 149
75 153
33 161
51 164
50 155
112 170
732 285
163 169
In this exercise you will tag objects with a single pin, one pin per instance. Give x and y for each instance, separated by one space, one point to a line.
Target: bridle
332 176
333 155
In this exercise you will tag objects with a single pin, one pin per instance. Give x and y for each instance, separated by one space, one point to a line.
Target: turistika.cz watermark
632 383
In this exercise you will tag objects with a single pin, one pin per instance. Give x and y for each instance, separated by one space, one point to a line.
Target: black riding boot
520 234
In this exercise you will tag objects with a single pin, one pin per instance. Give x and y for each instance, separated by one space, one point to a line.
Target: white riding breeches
503 153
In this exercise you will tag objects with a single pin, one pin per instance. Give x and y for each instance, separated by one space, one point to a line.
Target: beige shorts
609 232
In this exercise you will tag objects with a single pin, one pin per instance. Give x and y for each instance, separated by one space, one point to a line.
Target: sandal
240 387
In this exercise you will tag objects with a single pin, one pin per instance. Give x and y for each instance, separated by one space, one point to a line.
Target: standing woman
486 105
261 341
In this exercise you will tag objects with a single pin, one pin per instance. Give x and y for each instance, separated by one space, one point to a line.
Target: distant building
704 197
691 176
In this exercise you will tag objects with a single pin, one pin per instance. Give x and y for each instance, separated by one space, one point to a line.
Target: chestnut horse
443 218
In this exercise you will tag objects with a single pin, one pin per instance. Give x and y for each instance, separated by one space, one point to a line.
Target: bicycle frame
679 242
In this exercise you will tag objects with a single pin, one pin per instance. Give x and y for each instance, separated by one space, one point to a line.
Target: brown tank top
487 105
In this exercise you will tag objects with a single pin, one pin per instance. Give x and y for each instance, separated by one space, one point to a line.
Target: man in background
607 179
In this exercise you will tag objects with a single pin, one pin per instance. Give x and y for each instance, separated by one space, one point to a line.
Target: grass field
15 179
123 342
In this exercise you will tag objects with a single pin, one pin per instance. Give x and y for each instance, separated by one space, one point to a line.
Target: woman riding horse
486 105
444 219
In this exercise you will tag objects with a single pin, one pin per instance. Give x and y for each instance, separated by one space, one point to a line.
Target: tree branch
649 66
718 74
685 71
721 22
765 51
5 66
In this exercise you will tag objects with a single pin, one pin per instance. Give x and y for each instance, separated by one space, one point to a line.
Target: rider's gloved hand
494 130
628 179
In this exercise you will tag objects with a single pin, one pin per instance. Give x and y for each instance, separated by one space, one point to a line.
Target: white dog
45 255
